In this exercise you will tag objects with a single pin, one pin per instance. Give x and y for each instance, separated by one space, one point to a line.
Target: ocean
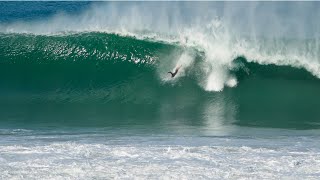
85 91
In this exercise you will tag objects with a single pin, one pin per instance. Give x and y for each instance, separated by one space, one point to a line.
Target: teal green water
106 80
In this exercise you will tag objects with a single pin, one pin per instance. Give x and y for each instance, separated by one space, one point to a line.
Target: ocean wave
214 38
115 63
96 57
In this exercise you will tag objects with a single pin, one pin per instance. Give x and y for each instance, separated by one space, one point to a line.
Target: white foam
232 82
224 158
215 81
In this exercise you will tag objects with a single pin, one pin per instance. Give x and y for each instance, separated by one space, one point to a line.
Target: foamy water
100 156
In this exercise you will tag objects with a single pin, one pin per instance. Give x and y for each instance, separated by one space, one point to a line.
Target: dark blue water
28 11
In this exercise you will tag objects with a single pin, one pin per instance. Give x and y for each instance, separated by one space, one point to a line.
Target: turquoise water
85 93
64 80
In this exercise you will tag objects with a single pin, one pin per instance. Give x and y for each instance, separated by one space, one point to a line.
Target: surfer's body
173 74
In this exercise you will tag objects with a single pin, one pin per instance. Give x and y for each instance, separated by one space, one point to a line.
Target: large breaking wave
96 59
128 78
187 31
121 59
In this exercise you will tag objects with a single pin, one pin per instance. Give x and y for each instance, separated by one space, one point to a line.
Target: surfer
173 74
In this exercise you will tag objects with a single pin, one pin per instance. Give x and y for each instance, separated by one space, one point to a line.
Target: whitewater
83 155
85 91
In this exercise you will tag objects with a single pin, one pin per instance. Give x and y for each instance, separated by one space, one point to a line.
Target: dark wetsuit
173 74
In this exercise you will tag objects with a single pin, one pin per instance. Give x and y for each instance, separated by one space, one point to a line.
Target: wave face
118 77
101 71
